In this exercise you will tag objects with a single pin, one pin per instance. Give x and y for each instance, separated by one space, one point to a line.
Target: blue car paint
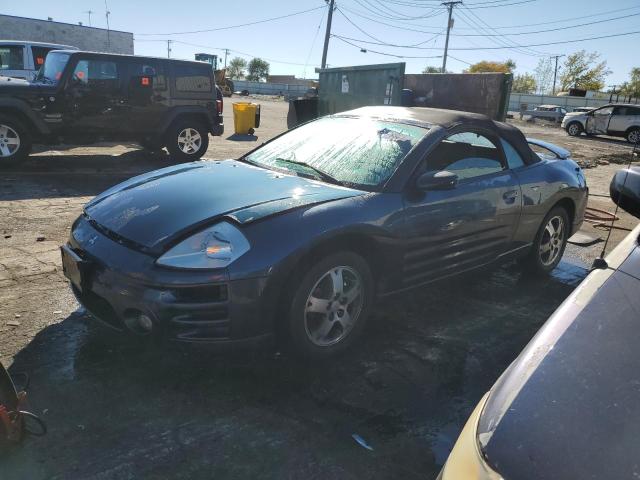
409 236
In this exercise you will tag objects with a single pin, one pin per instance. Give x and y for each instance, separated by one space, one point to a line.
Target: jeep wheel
633 135
15 140
187 140
574 129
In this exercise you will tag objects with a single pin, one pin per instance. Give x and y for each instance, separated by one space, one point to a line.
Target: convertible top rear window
354 151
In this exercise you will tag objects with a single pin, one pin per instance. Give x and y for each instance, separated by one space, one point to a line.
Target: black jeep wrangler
84 97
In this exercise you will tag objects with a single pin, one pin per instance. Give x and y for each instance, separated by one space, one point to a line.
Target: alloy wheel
9 141
189 141
552 241
634 136
333 306
574 129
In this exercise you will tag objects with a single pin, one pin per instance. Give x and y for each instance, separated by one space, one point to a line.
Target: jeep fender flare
179 111
35 122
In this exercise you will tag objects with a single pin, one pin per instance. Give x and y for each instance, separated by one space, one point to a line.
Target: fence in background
264 88
517 100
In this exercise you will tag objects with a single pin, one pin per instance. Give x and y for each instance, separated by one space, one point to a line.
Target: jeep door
147 96
95 105
469 224
598 120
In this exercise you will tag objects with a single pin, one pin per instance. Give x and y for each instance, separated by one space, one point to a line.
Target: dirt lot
119 409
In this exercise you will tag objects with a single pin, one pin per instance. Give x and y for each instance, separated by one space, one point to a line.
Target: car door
147 96
621 119
598 120
94 99
471 224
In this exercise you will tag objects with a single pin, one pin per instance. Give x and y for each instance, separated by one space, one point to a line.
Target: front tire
187 140
633 135
330 306
550 242
15 140
574 129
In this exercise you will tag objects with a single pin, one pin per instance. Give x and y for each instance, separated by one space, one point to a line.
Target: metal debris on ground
583 239
361 441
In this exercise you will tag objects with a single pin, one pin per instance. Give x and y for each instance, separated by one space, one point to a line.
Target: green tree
431 69
525 83
236 68
583 70
486 66
258 70
544 75
632 87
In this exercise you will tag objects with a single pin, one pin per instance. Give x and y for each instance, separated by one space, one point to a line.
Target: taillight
219 106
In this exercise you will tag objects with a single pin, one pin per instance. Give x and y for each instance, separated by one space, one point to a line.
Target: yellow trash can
246 117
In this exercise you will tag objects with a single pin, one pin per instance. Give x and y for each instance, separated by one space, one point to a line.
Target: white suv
24 59
618 120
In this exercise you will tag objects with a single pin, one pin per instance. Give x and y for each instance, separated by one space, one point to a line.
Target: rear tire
15 140
574 129
187 140
330 306
633 135
549 244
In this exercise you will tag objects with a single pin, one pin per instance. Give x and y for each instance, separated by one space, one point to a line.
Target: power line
485 29
532 44
365 50
500 5
236 26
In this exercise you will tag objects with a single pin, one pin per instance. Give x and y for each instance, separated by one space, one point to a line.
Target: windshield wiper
323 175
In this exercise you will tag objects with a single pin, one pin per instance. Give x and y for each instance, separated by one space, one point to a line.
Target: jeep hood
153 209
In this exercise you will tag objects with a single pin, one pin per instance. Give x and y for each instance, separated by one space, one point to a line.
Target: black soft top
448 119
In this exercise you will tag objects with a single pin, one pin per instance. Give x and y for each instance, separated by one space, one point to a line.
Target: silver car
618 120
20 59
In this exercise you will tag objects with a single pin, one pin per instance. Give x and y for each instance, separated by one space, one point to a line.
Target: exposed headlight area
214 247
466 460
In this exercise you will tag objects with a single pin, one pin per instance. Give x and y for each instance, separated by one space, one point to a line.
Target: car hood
569 405
9 85
153 209
574 114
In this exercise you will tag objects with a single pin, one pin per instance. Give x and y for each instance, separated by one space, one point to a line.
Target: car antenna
600 263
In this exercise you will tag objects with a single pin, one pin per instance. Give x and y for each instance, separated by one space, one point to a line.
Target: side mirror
441 180
625 190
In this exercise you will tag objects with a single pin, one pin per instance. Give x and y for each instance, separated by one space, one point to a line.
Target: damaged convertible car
297 238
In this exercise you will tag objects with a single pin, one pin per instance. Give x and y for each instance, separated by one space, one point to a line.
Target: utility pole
327 33
106 14
450 6
169 48
226 52
555 74
89 12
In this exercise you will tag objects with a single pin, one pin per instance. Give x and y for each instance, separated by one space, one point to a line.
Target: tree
258 70
544 75
486 66
236 68
582 70
525 83
632 87
431 69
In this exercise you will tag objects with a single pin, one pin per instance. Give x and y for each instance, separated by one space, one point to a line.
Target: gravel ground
137 412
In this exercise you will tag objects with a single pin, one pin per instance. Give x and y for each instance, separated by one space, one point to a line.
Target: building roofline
65 23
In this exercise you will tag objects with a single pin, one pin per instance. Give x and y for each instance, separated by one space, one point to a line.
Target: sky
293 45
